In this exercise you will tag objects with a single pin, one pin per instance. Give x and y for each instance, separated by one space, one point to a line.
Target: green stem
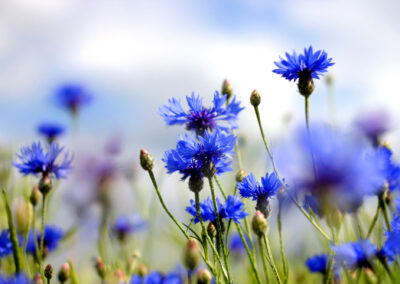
34 234
153 179
382 204
371 227
263 258
307 111
271 259
13 236
203 227
41 254
284 263
387 268
323 233
219 228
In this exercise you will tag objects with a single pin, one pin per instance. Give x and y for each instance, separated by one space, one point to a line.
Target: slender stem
34 235
48 280
153 179
324 234
238 153
284 263
382 204
219 228
220 187
263 258
203 227
307 111
387 268
13 236
371 227
271 259
41 254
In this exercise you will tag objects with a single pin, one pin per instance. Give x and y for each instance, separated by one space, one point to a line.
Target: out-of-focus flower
15 279
5 243
156 277
73 97
236 244
382 155
355 254
126 225
51 130
191 155
321 263
309 64
232 209
324 164
52 238
391 247
199 118
374 124
34 160
251 188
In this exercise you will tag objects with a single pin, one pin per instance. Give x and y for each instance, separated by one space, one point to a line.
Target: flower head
232 209
5 243
52 238
191 155
391 247
126 225
51 130
199 118
251 188
309 64
73 97
355 254
320 263
34 160
15 279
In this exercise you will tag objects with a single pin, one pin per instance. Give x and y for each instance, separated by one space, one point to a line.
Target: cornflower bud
255 98
259 224
227 90
35 196
64 273
211 230
146 160
240 175
45 184
203 276
48 272
22 216
100 268
192 256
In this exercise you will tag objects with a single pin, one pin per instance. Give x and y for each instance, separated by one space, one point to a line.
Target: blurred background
134 55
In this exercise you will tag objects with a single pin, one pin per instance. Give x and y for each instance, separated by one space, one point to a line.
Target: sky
134 55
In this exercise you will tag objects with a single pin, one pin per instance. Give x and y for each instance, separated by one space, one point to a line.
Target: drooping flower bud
192 256
37 279
196 183
259 224
211 230
100 268
203 276
208 169
35 196
227 89
255 98
146 160
45 184
240 175
48 272
64 273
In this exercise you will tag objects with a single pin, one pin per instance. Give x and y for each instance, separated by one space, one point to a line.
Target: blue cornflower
374 124
156 277
355 254
232 209
191 155
199 118
15 279
52 238
126 225
251 188
320 263
391 171
391 247
51 130
236 244
310 64
73 97
326 163
34 160
5 243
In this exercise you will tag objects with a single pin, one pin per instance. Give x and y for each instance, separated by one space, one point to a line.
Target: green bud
259 224
35 196
227 90
192 256
203 276
146 160
45 184
100 268
64 273
211 230
255 98
48 272
240 175
22 215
